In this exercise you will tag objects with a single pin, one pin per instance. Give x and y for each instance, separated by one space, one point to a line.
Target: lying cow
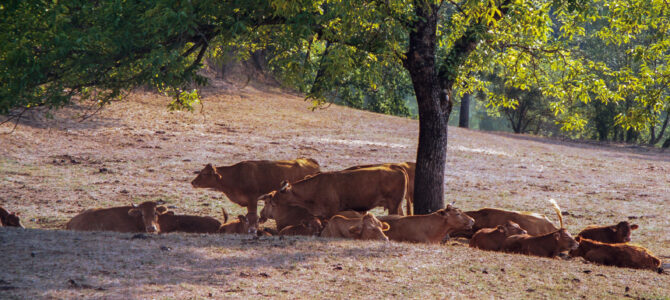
546 245
430 228
535 224
169 222
134 218
239 226
245 181
284 215
619 233
309 227
410 169
9 219
324 194
493 238
620 255
367 227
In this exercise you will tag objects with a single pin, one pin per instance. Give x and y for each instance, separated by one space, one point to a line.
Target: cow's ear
285 186
385 226
633 227
578 238
134 212
442 212
557 236
355 230
614 229
161 209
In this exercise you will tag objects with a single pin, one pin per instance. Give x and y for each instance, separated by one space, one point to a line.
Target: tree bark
464 116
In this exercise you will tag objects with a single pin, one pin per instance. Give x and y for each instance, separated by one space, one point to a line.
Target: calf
367 227
547 245
312 226
619 233
9 219
493 238
239 226
284 215
620 255
431 228
535 224
134 218
169 222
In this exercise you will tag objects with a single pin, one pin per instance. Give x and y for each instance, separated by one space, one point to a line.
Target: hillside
136 150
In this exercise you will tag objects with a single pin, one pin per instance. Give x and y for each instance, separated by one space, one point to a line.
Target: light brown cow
312 226
9 219
492 238
245 181
169 222
410 169
619 233
547 245
239 226
368 227
135 218
430 228
324 194
284 215
535 224
620 255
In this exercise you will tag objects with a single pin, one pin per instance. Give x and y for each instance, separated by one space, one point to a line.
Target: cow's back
534 223
106 219
255 178
188 223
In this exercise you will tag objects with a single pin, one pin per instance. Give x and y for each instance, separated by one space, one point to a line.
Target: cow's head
287 195
207 178
622 231
313 225
455 219
149 212
269 207
244 226
12 220
370 228
511 228
564 240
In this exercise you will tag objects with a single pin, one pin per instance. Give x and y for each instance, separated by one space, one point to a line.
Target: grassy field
136 150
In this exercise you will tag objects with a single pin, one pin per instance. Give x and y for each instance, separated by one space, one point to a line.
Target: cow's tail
558 211
404 189
225 215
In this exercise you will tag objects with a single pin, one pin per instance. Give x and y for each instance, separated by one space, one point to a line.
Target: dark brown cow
492 238
324 194
9 219
169 222
367 227
239 226
547 245
410 169
619 233
430 228
535 224
312 226
245 181
620 255
135 218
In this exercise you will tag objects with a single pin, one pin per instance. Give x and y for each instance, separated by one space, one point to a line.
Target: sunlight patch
481 150
361 143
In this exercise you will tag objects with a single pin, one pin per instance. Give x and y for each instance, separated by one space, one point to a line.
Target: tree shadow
71 117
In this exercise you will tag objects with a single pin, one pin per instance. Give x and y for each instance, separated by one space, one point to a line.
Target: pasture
52 168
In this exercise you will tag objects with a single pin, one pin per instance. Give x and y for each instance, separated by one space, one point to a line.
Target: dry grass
50 169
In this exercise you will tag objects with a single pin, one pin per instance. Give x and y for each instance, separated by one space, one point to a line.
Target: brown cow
284 215
324 194
535 224
410 168
312 226
135 218
9 219
430 228
620 255
169 222
368 227
547 245
493 238
619 233
239 226
245 181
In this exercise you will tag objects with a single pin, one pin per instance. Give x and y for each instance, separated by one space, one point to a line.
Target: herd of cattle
305 201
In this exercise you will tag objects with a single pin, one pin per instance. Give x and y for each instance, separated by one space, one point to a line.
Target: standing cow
245 181
410 169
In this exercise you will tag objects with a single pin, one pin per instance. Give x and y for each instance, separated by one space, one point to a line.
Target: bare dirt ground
136 150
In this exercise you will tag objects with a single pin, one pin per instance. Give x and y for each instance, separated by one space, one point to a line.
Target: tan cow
430 228
535 224
324 194
134 218
9 219
367 227
410 168
620 255
492 238
245 181
546 245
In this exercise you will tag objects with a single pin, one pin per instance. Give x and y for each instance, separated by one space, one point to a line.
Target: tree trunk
432 150
464 116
